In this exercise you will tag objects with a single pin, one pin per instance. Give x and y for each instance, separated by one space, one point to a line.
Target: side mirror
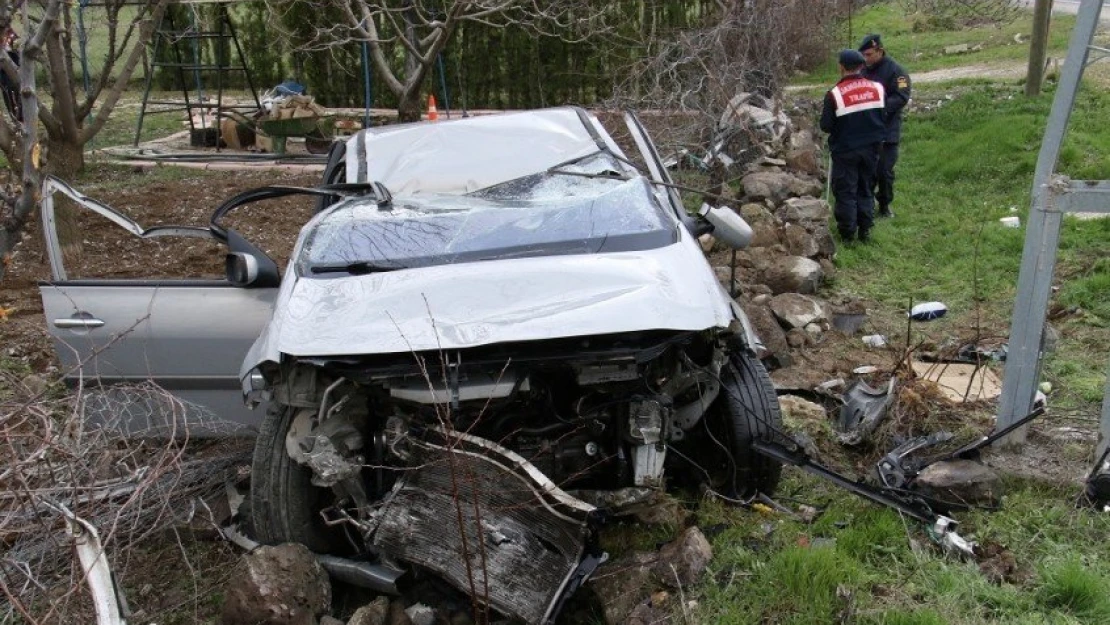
727 225
247 267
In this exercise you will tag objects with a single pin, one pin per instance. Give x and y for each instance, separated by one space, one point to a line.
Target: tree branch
146 31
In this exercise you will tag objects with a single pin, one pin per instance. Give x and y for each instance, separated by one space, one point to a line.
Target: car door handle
86 323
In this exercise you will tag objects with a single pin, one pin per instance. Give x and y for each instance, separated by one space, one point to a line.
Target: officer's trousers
884 189
853 177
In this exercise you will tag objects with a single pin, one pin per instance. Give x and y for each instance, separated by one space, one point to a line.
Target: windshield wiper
356 269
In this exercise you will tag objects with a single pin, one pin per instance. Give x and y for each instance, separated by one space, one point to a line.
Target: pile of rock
792 250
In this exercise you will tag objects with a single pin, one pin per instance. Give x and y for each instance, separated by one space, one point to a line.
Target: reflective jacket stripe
864 95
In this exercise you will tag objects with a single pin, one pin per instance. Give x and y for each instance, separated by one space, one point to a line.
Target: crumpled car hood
472 304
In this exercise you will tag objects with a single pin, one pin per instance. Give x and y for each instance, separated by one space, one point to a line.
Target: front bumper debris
491 524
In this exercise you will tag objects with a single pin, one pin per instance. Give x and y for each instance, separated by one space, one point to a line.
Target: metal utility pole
1053 196
1038 47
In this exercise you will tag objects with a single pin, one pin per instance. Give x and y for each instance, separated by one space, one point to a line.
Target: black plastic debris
863 410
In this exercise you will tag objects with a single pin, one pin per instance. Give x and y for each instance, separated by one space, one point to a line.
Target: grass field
963 167
920 47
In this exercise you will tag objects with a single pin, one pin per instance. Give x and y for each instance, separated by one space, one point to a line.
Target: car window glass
534 219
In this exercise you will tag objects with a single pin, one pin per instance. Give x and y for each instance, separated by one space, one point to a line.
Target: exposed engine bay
464 463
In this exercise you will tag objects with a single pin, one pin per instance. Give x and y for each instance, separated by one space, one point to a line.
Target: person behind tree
8 86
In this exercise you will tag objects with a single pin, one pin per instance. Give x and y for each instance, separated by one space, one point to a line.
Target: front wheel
284 504
747 409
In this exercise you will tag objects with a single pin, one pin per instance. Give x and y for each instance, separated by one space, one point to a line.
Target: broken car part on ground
487 324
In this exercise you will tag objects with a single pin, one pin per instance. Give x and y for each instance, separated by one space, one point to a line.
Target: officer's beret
850 58
870 41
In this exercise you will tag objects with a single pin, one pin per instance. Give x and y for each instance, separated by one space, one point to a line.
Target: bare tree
405 36
72 117
703 78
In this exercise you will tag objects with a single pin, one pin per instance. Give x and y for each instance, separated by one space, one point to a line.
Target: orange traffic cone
433 114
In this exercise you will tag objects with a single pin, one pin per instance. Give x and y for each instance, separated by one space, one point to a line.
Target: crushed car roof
465 155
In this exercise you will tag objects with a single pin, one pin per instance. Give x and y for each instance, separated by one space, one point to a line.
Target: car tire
284 504
749 405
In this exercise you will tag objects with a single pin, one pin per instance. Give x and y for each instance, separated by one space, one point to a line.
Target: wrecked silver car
495 333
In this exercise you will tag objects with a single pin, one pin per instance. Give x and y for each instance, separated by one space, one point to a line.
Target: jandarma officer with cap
881 68
852 114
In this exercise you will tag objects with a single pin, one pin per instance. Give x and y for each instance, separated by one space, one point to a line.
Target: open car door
116 336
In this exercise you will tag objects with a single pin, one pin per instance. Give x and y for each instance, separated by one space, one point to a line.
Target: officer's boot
884 211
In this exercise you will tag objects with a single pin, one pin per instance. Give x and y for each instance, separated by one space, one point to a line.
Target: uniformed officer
882 69
852 114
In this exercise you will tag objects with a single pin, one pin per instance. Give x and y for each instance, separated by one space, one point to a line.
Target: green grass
922 50
772 570
962 168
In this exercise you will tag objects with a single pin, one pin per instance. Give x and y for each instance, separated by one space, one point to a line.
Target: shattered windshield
540 215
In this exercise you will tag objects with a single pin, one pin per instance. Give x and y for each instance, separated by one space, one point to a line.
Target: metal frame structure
1053 196
227 43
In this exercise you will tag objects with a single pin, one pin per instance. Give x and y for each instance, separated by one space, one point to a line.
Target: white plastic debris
928 311
98 574
1040 400
874 340
1011 222
865 370
421 614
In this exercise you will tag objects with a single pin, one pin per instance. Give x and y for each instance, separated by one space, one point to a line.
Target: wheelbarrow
316 129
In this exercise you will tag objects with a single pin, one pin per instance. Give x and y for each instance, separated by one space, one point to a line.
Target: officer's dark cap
870 41
850 59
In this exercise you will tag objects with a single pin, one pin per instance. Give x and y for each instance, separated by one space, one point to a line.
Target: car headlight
255 387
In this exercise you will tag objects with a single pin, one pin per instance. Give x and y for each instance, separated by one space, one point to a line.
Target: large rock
773 185
765 226
805 209
621 584
801 186
373 613
282 585
797 311
803 153
960 481
826 244
798 409
793 274
647 613
397 615
799 242
768 330
681 562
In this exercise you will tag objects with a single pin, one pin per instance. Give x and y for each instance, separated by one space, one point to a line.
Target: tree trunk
409 106
65 159
1038 47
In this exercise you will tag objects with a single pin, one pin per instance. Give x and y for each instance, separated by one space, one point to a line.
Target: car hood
473 304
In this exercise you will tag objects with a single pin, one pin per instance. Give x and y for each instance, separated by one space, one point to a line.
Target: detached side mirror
247 267
727 225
